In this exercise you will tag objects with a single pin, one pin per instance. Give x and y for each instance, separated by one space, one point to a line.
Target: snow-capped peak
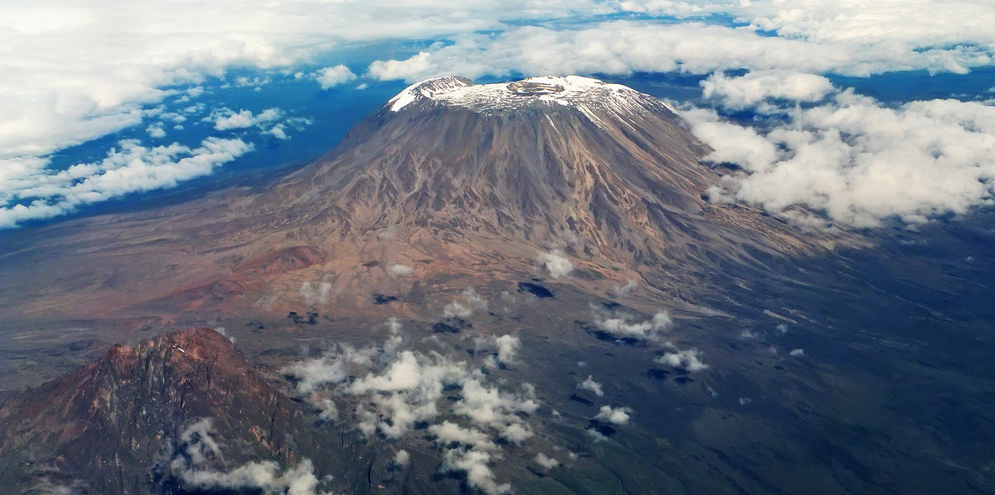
565 91
428 89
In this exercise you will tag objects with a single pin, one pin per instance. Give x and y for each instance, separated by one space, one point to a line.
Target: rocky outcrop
115 426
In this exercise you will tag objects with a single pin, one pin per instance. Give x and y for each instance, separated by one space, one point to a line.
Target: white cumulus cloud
399 270
409 69
591 385
755 87
329 77
226 119
858 162
650 329
37 192
688 359
546 462
556 263
616 415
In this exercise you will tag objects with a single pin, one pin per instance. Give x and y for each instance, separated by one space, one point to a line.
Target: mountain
492 175
496 288
135 420
449 180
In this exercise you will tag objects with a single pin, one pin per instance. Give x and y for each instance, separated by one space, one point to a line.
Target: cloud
618 415
313 296
402 458
506 346
649 329
38 193
689 359
278 131
627 46
464 305
496 408
406 386
621 290
398 270
448 433
225 119
155 131
329 411
474 464
596 435
857 162
753 88
199 448
395 388
592 386
330 77
331 368
267 302
265 476
556 263
546 462
408 69
200 444
797 353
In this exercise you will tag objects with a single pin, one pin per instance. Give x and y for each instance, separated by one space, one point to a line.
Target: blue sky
857 111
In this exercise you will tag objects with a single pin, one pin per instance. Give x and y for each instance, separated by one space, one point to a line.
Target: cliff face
120 424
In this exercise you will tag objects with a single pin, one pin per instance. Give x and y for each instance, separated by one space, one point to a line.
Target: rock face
450 179
118 425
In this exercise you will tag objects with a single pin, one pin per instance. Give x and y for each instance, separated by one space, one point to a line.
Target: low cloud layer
623 47
395 388
201 451
39 193
855 161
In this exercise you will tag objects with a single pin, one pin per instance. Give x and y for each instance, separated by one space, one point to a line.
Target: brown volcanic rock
113 426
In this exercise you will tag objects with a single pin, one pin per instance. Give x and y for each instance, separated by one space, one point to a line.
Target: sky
851 112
